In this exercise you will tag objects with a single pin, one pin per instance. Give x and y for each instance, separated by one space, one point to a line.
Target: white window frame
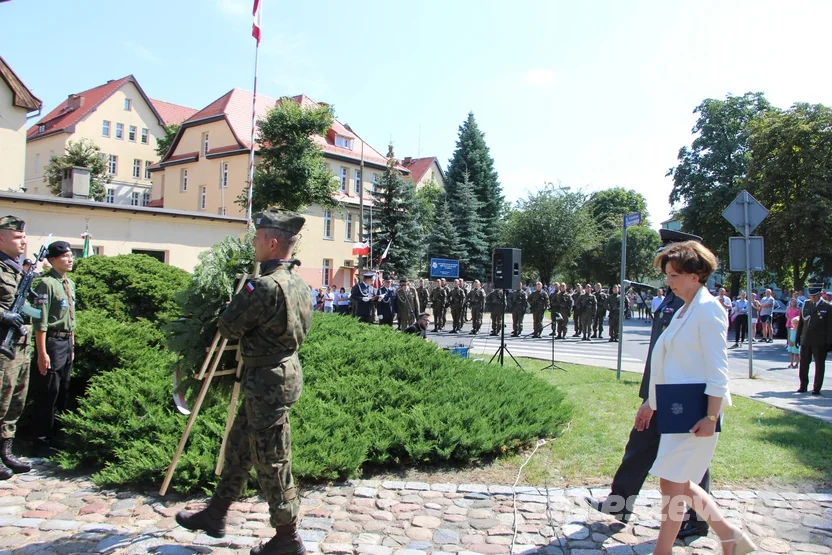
112 164
348 221
131 133
145 198
224 175
111 196
147 165
134 198
205 144
343 142
105 128
203 197
120 131
326 271
375 182
41 128
145 136
328 224
183 180
343 179
137 168
357 184
128 105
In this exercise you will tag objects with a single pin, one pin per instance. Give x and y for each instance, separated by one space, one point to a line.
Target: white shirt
328 299
657 302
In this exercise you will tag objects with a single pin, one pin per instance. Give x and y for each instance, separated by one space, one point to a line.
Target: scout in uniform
270 316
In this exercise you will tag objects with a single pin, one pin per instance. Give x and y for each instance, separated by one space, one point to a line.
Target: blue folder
680 406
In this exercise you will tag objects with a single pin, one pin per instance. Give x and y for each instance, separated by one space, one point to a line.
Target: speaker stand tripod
553 365
503 349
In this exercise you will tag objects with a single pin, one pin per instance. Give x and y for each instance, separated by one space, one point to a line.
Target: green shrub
373 397
129 286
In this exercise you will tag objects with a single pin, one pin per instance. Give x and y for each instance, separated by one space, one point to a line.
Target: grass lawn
759 446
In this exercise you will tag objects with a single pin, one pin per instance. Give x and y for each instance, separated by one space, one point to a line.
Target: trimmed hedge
373 397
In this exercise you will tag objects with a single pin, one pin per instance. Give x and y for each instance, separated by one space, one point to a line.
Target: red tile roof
235 106
172 113
22 97
419 167
77 106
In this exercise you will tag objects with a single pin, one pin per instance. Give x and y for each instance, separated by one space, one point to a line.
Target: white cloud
235 7
540 77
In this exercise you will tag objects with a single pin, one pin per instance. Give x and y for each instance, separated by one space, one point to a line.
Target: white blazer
693 349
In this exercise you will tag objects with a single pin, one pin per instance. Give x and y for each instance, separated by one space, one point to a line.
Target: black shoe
285 542
816 392
601 507
611 340
691 528
5 472
802 390
211 519
734 346
594 336
12 462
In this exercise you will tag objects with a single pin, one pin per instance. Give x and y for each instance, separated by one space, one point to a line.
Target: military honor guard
589 305
386 297
364 296
422 295
565 304
600 312
614 308
456 300
476 300
407 303
519 304
497 301
577 309
814 337
438 298
538 302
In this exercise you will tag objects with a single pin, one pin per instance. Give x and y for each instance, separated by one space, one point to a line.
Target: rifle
19 306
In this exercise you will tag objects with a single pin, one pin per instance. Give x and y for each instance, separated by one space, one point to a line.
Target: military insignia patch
249 287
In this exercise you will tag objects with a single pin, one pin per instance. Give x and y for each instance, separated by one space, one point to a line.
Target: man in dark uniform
519 304
497 301
270 316
386 297
614 307
565 301
643 446
407 304
600 312
14 374
554 307
422 295
589 307
814 337
577 309
363 295
538 302
55 343
437 302
456 300
420 326
476 300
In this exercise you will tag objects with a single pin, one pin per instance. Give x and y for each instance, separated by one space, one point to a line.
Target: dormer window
41 128
343 142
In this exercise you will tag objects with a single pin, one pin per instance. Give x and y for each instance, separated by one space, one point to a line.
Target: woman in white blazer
691 350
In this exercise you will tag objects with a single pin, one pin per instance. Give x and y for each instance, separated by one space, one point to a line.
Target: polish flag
361 249
384 254
255 27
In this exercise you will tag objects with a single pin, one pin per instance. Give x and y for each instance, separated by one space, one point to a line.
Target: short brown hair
688 257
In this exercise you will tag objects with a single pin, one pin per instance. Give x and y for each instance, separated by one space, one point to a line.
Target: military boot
211 519
15 464
285 542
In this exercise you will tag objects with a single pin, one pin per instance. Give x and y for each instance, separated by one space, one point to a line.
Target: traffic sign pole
621 294
751 332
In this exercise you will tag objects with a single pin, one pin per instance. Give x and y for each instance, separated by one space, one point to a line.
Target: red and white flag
384 254
255 27
361 249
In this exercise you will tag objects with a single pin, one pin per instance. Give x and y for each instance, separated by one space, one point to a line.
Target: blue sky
594 94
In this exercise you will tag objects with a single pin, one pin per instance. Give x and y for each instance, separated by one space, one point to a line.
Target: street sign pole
621 294
747 232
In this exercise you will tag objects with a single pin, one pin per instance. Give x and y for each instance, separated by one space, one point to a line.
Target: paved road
775 383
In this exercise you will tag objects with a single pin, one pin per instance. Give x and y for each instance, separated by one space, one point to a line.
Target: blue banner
444 268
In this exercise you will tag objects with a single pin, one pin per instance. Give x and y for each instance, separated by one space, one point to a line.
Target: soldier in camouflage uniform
14 374
456 300
519 304
613 305
270 316
554 307
476 300
447 306
438 299
538 302
408 304
497 300
600 312
590 306
565 303
422 295
577 305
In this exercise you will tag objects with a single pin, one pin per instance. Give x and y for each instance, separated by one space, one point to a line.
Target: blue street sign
632 219
444 268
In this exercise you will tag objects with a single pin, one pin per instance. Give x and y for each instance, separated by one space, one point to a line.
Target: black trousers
639 456
52 390
740 327
807 353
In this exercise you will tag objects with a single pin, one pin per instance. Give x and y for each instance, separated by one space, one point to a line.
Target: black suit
642 447
365 308
385 306
815 335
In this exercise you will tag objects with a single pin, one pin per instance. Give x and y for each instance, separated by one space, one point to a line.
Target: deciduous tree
163 143
82 153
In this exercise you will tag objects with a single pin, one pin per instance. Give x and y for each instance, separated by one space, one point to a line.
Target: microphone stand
553 365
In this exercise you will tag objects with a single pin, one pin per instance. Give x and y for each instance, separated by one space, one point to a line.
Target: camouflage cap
284 220
12 222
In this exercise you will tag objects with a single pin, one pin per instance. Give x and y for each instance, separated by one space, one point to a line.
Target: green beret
12 222
284 220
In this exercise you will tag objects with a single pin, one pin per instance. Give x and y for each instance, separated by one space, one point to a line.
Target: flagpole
253 128
361 200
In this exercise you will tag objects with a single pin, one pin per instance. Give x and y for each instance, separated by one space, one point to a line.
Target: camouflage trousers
576 319
586 323
563 324
456 315
537 319
261 438
613 325
517 321
442 317
496 321
14 384
476 318
598 323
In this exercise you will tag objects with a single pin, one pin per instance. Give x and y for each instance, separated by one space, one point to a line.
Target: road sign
735 213
444 268
737 258
632 219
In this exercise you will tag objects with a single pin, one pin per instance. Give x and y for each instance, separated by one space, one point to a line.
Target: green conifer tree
470 228
395 220
443 242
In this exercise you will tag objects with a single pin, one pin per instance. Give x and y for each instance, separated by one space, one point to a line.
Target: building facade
424 171
121 120
206 170
16 103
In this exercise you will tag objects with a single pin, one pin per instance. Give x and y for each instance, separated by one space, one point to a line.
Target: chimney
407 160
76 183
74 101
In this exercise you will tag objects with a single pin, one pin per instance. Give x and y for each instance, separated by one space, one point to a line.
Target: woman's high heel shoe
742 543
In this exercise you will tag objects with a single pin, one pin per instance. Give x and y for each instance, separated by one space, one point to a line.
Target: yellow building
424 171
206 169
118 117
171 236
16 103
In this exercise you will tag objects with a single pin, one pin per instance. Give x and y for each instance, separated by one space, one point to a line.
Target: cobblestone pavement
47 511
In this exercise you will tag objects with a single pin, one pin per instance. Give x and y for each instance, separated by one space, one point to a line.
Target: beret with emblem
57 248
284 220
12 222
